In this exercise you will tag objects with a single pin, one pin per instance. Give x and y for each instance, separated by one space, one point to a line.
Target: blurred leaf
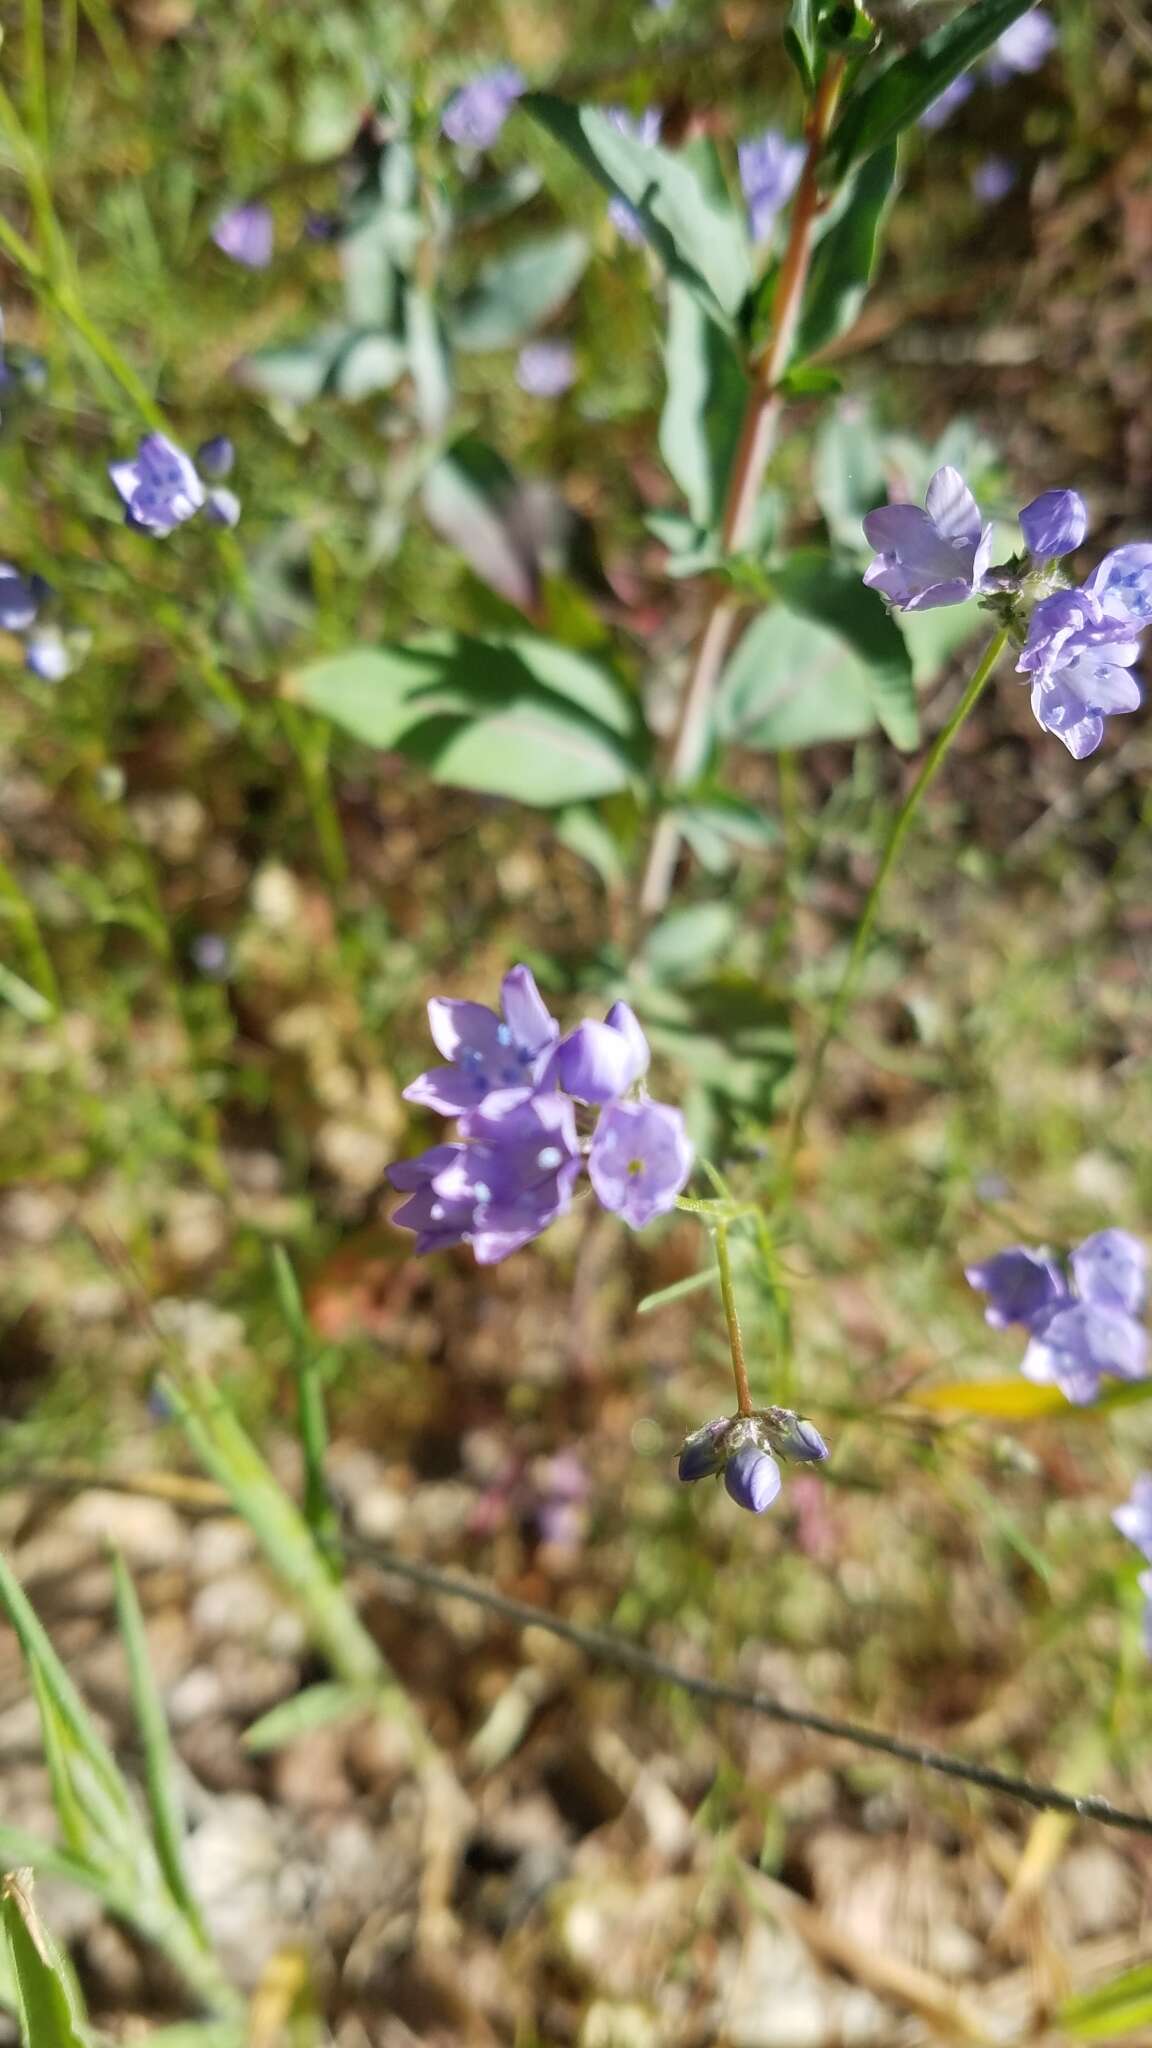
470 497
429 360
164 1802
50 2013
583 831
844 261
366 363
491 196
800 39
810 381
1112 2010
933 637
700 238
688 940
514 294
826 663
102 1794
82 1832
704 406
294 372
849 475
877 109
317 1707
517 716
718 827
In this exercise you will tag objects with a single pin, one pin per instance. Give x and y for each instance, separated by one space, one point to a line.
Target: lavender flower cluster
1081 1315
1077 646
521 1093
745 1449
163 488
47 653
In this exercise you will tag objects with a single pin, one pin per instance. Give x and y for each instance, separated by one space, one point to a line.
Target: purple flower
1082 1324
46 654
245 233
945 104
1023 47
1054 524
1080 1345
211 955
752 1478
993 179
161 488
641 1157
1079 656
601 1062
703 1453
770 168
544 369
475 115
1134 1519
214 458
500 1189
20 598
487 1051
1020 1284
626 222
933 557
1123 583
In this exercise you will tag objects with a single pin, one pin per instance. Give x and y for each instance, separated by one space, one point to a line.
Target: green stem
732 1318
933 762
35 76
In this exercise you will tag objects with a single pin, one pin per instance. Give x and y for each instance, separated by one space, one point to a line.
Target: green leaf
849 473
102 1794
161 1783
533 753
317 1707
699 235
583 831
294 372
1116 2008
826 663
472 499
844 260
50 2012
367 362
429 360
514 294
704 406
718 826
810 381
800 40
879 108
686 941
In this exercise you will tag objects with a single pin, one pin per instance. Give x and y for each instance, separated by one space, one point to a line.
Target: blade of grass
40 1656
50 2015
312 1420
164 1802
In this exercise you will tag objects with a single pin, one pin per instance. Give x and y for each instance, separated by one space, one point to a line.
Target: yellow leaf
1013 1400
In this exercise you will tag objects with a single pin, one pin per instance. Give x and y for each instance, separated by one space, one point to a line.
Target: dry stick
609 1648
757 437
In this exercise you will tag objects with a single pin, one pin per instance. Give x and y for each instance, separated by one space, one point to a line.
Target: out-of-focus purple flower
20 598
1080 1345
160 489
323 227
562 1488
1110 1268
1123 583
1023 47
1021 1286
47 654
1134 1518
1079 656
246 234
214 458
438 1221
211 955
601 1062
933 557
1082 1323
752 1479
222 507
627 222
945 104
487 1050
770 168
993 179
641 1157
545 369
1054 524
475 115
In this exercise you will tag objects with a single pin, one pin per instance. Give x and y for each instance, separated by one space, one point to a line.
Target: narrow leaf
41 1657
317 1707
1111 2010
882 106
160 1771
704 406
50 2016
844 261
514 294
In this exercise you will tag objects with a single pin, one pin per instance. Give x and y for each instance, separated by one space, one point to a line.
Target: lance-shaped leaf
51 2013
707 390
699 235
845 258
883 103
515 293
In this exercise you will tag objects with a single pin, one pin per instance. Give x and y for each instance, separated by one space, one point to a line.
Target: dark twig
609 1648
